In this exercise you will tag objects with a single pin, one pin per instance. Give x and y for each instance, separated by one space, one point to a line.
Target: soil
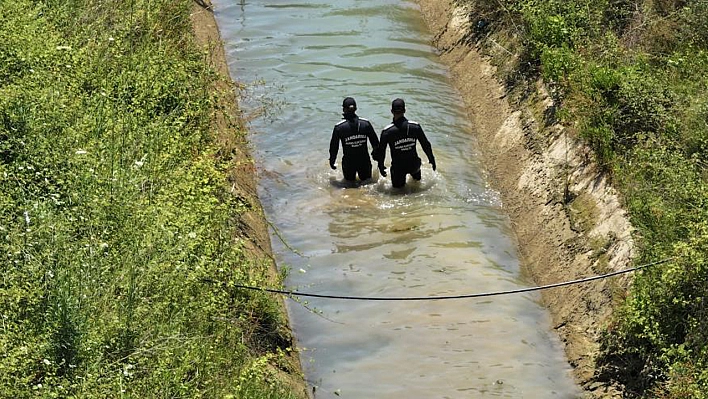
229 128
567 219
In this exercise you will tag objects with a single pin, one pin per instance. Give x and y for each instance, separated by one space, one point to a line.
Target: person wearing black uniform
353 132
401 136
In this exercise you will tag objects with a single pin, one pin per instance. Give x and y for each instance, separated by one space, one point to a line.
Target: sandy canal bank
567 219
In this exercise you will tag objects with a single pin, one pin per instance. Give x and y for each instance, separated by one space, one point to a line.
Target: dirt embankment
227 125
567 219
253 225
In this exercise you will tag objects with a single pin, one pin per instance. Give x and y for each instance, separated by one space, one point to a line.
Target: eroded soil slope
567 219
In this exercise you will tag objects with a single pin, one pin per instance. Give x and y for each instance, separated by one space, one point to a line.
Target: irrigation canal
447 235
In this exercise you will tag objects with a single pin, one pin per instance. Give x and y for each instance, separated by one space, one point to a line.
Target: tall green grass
630 77
120 241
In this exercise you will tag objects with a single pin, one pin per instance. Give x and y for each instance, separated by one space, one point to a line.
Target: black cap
398 105
349 104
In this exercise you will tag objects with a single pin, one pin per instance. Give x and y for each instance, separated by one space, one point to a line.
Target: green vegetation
119 238
631 78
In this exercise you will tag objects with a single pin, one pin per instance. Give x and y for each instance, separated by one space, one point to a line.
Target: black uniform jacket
353 132
401 137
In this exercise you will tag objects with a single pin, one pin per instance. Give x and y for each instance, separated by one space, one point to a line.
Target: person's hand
432 162
382 170
332 164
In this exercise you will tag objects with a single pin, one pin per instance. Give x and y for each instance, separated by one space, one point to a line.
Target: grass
120 238
630 77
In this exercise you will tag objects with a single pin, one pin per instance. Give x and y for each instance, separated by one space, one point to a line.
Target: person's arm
333 149
427 147
381 153
373 139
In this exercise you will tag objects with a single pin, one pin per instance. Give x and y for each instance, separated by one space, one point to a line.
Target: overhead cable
446 297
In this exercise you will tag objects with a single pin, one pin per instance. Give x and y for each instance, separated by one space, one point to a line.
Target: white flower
192 235
81 152
47 362
126 370
139 163
27 218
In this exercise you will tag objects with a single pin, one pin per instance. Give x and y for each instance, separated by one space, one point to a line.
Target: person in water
401 137
352 132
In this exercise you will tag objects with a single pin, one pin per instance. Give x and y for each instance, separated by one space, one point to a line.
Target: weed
114 209
631 75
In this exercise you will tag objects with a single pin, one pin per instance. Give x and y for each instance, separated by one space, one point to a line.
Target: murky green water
447 235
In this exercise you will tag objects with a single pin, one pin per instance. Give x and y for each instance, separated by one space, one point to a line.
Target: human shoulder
340 122
387 127
365 121
414 126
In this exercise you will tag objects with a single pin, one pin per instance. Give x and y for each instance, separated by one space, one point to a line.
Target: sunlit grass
119 237
630 78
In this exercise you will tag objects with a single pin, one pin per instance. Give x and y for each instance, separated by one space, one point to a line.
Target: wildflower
81 152
27 218
139 163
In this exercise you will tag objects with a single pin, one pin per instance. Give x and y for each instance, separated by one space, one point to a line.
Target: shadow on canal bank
567 219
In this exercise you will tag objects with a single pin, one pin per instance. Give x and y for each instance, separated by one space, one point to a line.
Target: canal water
446 235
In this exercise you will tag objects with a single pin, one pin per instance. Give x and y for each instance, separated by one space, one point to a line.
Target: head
398 107
349 106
